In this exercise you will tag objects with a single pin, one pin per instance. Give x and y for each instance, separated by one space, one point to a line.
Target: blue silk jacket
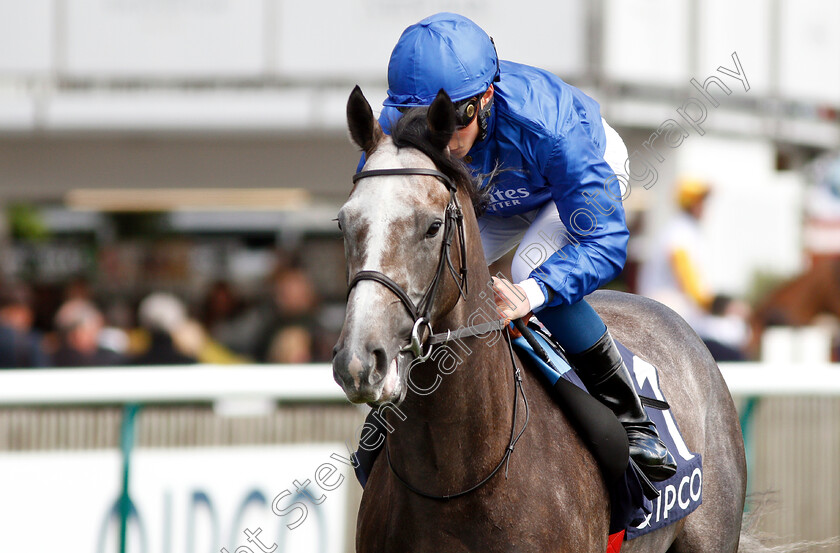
549 138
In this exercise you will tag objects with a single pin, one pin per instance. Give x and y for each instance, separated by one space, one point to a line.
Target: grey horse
451 417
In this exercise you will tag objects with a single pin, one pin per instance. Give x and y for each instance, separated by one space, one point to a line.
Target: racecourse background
209 438
169 146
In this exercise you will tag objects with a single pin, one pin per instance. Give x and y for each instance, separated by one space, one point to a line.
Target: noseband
453 221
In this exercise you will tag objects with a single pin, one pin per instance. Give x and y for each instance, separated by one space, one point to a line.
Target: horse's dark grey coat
552 499
701 404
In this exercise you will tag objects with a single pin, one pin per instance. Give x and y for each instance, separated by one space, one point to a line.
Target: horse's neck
482 365
458 431
831 282
806 296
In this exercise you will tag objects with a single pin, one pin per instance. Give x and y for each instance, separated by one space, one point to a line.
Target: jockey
558 197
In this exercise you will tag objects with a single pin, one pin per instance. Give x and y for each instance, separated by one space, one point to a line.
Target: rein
420 313
514 437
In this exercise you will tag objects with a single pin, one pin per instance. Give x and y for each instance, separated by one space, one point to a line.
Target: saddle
638 506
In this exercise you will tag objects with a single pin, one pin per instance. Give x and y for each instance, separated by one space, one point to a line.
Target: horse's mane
412 131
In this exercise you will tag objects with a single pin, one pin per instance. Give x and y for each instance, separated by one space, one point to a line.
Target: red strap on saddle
614 542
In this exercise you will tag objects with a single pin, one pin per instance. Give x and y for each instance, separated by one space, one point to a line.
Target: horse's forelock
412 131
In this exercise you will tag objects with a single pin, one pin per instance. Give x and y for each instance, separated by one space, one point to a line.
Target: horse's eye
338 221
433 230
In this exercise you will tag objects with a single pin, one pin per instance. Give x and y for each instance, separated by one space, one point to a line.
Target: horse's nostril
380 360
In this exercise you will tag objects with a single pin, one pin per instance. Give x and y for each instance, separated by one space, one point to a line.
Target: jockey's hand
511 301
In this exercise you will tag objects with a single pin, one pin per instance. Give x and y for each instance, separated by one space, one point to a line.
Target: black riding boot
608 380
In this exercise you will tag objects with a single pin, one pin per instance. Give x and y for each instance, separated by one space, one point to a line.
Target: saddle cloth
679 495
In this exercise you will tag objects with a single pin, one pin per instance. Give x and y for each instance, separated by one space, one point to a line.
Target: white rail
178 384
169 384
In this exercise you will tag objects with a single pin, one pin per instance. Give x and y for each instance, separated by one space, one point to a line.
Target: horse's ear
441 119
364 128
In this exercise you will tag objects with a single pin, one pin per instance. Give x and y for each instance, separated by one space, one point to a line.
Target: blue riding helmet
447 51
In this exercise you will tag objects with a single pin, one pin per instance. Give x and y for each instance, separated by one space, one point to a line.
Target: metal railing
790 418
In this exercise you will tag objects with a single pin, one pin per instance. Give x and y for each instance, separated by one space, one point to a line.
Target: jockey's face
463 139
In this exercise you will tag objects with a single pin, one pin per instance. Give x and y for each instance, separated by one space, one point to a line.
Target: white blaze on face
381 205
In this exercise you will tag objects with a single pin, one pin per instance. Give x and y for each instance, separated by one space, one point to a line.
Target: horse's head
400 214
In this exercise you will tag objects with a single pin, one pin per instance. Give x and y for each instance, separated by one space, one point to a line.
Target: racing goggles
465 111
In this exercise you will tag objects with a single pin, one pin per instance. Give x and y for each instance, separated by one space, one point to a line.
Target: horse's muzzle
367 375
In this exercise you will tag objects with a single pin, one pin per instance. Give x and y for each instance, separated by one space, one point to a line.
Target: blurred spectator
726 330
78 289
673 274
220 310
161 315
79 324
291 344
290 332
821 236
193 340
115 334
20 346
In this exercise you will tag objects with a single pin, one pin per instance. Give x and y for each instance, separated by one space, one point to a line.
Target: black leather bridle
453 222
420 313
